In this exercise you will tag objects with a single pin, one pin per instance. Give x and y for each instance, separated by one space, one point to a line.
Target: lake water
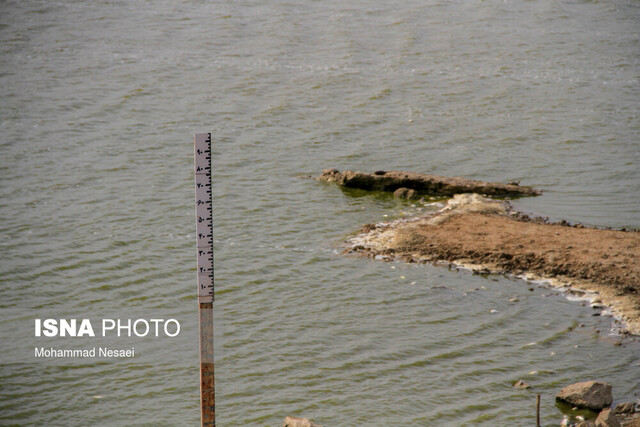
99 104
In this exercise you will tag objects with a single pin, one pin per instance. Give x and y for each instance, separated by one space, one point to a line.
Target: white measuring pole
204 248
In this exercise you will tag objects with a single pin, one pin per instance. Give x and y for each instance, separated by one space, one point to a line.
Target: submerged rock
522 384
298 422
422 183
592 395
405 193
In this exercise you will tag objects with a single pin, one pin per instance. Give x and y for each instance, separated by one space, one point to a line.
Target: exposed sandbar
475 230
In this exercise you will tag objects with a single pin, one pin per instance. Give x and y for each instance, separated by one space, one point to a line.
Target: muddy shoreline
489 236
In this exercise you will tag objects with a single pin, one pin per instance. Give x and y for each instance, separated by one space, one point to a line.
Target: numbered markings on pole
204 215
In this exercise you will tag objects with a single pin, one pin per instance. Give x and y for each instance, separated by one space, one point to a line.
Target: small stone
592 395
405 193
607 418
298 422
522 385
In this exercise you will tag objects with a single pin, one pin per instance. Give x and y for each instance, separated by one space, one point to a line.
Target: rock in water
522 384
422 183
607 419
625 408
592 395
405 193
298 422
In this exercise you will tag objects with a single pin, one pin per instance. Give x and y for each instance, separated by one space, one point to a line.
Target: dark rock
625 408
422 183
607 418
586 423
592 395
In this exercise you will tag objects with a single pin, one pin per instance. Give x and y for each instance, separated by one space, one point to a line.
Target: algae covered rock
422 183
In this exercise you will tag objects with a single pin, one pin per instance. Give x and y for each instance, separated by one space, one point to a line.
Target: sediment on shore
417 184
489 235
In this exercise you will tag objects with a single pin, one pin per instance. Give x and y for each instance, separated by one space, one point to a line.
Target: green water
99 104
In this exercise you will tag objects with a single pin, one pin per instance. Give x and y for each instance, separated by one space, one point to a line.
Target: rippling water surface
99 103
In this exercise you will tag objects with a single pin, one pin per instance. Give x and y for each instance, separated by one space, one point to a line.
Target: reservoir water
99 104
